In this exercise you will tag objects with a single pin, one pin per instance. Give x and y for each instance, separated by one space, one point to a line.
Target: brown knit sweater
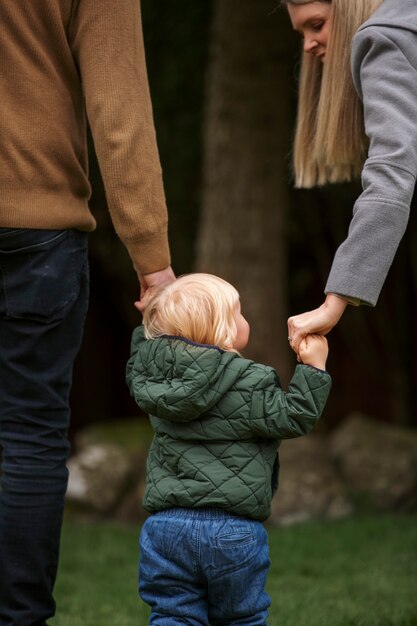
61 60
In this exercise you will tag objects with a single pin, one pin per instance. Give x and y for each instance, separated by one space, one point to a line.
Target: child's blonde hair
330 143
198 307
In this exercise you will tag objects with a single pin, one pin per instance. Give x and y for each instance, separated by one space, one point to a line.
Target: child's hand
313 351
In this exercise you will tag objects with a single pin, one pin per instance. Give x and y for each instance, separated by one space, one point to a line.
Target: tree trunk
248 127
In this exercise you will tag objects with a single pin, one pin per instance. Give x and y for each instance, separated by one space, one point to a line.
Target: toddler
212 468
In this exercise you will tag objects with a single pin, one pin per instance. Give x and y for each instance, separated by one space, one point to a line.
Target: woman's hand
319 321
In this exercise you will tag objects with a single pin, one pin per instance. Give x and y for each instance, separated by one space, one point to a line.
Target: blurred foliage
131 434
176 40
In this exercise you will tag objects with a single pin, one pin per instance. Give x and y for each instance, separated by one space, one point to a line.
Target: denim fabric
43 303
204 566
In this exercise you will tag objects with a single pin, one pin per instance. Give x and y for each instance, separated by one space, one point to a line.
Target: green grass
358 572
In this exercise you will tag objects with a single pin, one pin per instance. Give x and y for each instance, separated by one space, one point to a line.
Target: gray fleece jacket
384 68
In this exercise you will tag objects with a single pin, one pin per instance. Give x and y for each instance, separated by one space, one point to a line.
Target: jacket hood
177 380
396 14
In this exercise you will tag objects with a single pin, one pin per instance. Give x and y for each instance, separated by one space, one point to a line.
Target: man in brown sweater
61 62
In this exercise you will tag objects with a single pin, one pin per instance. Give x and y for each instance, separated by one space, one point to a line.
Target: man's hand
150 282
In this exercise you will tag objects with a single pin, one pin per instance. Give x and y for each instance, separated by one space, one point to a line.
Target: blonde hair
198 307
330 144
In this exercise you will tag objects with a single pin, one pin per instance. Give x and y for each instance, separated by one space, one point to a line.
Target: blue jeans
204 566
43 303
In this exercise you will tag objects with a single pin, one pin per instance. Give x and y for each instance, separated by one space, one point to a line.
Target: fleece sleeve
385 76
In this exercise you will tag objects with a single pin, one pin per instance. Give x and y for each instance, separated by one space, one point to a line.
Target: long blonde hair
198 307
330 144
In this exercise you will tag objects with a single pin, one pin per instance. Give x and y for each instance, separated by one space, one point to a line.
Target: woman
357 114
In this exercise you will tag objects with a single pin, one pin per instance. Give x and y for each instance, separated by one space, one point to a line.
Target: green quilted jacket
218 420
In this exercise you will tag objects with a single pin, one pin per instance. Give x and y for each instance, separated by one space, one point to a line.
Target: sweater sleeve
108 47
385 78
284 415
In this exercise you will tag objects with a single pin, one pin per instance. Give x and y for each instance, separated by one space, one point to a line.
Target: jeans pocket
236 549
235 534
39 272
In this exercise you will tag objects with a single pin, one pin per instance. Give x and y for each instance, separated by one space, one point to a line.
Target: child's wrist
318 365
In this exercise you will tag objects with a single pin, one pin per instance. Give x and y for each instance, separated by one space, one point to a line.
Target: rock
378 461
364 461
107 473
130 509
98 476
309 488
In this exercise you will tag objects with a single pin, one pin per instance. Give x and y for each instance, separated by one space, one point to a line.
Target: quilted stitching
218 421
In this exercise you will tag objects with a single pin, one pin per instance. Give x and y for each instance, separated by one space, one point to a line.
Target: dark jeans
43 303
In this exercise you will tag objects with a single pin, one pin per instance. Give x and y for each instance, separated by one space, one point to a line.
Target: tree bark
248 128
